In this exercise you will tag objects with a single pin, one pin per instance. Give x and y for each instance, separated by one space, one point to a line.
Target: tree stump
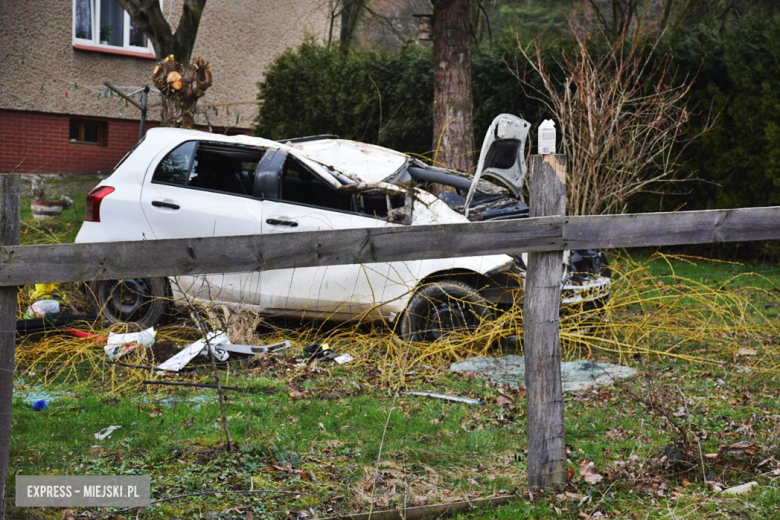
181 85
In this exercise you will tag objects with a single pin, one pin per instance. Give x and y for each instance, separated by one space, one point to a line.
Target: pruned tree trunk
453 127
181 85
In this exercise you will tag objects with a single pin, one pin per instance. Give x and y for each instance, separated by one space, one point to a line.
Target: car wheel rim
445 317
127 297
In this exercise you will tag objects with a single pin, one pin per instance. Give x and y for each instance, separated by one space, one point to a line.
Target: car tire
438 308
139 300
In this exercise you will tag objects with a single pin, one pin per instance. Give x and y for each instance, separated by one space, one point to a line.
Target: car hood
361 162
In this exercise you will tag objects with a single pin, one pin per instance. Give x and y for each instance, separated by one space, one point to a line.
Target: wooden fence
545 235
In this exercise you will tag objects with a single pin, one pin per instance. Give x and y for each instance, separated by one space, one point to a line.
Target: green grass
62 230
318 431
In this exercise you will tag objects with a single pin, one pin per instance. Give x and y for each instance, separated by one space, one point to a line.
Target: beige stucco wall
41 71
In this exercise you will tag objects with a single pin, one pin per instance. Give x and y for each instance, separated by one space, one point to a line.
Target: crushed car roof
361 162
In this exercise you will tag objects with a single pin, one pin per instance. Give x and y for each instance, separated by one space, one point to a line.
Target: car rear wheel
139 300
441 308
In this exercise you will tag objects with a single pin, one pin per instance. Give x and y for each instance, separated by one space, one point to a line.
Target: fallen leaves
504 400
589 473
741 448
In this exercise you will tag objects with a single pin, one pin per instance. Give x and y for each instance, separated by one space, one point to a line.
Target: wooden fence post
9 235
546 445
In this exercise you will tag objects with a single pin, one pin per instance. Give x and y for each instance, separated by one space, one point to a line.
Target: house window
86 131
104 24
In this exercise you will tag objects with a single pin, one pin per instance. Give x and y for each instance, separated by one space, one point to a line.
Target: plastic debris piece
45 290
42 308
344 358
106 432
40 405
546 137
252 350
180 360
319 350
738 490
454 398
120 344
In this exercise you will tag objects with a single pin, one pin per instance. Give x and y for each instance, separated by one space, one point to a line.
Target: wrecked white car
184 183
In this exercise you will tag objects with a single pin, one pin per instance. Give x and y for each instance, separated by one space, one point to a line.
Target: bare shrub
621 115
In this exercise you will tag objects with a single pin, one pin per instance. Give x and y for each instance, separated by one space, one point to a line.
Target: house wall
41 72
38 142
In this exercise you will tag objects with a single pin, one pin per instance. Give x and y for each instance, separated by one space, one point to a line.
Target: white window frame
94 42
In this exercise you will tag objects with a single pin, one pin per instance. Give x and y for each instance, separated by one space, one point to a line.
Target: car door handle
163 204
278 222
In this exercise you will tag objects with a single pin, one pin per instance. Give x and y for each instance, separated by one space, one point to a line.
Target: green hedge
362 95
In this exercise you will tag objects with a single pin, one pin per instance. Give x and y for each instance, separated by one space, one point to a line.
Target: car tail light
94 199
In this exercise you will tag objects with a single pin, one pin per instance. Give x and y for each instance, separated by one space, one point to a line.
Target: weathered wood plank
667 229
99 261
544 394
10 200
20 265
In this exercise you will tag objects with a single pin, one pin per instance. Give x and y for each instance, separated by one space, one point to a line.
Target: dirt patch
162 350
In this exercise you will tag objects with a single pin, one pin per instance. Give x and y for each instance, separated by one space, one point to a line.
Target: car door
202 189
297 198
380 286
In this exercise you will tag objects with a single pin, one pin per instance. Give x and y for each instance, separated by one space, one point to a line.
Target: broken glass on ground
576 376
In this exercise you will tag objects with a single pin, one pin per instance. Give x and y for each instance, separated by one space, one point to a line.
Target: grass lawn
329 439
44 232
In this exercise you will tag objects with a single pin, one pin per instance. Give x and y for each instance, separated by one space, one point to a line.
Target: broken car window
210 166
175 167
300 185
378 204
225 168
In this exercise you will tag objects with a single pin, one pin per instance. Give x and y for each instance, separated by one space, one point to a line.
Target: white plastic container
546 137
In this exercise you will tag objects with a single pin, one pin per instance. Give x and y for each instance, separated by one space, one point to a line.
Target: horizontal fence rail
22 265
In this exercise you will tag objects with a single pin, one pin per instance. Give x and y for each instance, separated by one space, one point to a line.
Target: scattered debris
37 393
344 358
252 350
39 308
193 401
49 323
45 291
576 375
120 344
319 351
445 397
106 432
738 490
213 340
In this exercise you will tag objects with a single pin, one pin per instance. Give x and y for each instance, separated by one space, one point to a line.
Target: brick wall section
38 142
